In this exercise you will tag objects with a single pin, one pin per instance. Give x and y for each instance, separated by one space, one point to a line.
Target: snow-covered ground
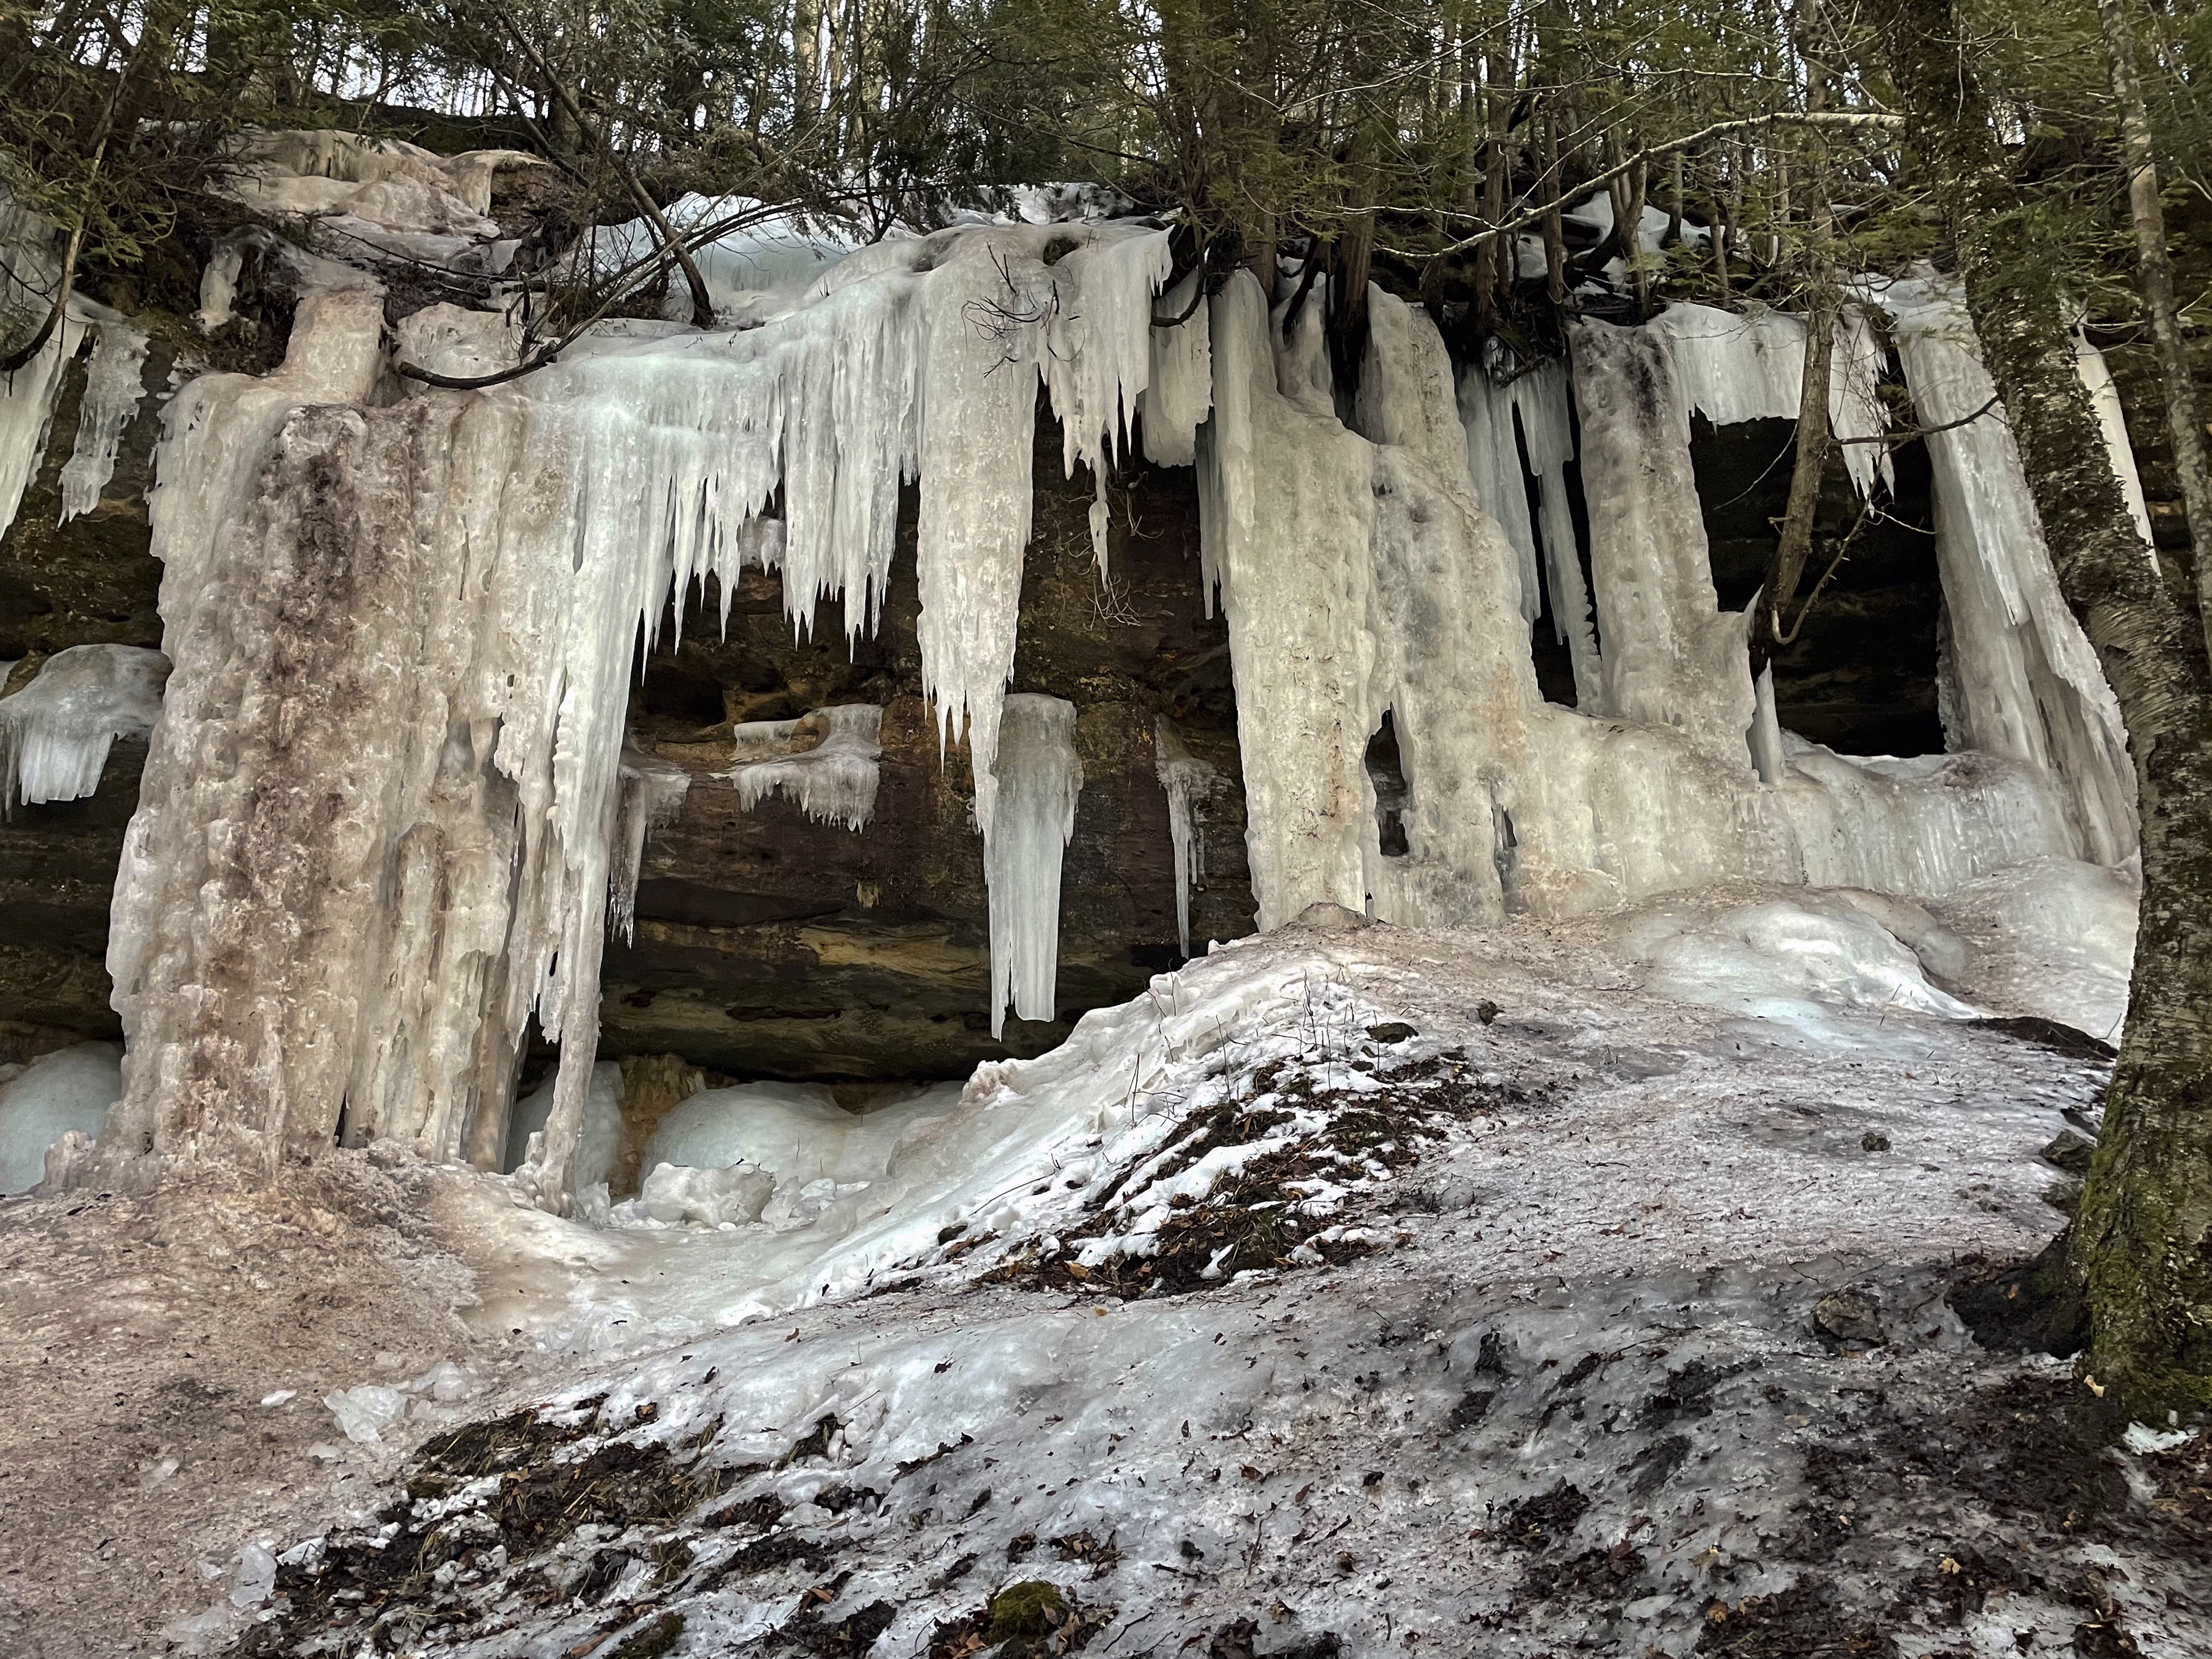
1557 1287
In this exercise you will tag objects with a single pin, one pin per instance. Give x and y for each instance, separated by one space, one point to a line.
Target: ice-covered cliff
386 819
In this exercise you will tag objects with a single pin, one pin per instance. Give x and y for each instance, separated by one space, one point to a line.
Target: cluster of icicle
471 678
825 763
55 733
30 270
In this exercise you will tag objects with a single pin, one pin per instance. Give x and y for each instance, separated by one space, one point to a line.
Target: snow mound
69 1089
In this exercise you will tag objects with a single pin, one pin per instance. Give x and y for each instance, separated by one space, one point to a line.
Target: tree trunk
2156 271
2139 1254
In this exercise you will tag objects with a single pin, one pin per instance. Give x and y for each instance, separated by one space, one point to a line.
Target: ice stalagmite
55 733
2025 682
1039 779
826 763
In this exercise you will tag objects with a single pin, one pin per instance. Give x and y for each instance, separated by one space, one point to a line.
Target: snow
1039 778
55 731
826 763
1190 783
69 1089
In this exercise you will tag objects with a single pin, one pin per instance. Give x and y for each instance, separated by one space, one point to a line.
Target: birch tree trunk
2155 271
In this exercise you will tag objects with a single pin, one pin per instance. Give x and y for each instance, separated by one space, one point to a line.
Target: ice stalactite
1190 782
826 763
653 796
1039 779
55 732
1538 396
1180 393
29 269
111 393
2025 682
1680 660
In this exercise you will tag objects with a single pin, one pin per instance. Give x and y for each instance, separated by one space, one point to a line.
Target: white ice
69 1089
827 762
1190 783
600 1140
1039 778
55 732
111 393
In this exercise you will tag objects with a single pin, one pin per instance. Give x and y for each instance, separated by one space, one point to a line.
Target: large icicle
1190 782
1180 393
29 268
2025 681
825 763
1542 398
652 795
1039 778
55 732
112 392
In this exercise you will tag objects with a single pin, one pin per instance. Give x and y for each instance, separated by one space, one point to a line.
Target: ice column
55 733
2025 681
1039 777
1190 782
1672 657
1542 397
827 762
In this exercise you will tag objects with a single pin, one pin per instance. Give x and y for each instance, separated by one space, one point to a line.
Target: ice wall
2022 680
1039 778
55 732
826 763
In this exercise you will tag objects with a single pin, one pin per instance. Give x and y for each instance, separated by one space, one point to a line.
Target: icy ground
1359 1289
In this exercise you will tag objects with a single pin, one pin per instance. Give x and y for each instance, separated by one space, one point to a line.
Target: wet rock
1392 1031
1851 1315
2069 1152
1874 1141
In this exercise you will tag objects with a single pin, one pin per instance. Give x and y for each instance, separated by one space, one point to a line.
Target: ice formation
69 1089
112 394
2021 678
826 763
1190 782
1039 778
55 732
600 1140
652 792
418 810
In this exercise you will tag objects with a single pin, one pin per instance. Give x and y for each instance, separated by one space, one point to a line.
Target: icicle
826 763
653 793
55 732
28 271
1730 368
1494 469
1039 778
1190 782
1672 658
1542 398
2105 397
111 391
1180 391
